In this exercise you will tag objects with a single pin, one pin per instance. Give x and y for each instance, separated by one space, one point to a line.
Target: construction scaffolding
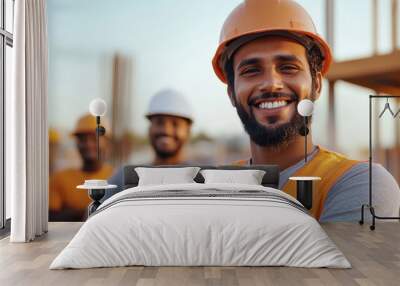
378 72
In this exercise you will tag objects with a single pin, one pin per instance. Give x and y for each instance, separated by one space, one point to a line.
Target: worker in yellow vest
271 57
66 203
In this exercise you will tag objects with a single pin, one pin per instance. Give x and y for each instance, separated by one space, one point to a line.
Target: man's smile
267 107
165 139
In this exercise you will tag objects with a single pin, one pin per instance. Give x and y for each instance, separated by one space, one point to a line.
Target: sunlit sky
171 43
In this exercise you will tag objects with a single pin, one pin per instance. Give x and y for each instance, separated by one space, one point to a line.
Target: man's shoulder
355 182
117 177
106 171
346 196
337 156
66 172
108 167
360 171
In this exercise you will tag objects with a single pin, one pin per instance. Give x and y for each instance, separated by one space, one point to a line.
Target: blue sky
171 43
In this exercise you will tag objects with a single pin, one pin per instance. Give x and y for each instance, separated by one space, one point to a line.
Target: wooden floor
375 257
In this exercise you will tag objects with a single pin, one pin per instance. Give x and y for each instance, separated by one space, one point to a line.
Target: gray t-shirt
116 179
346 196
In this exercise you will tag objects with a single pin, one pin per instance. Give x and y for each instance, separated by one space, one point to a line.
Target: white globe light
305 107
98 107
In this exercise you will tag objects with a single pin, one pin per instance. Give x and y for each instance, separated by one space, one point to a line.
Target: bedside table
96 193
305 189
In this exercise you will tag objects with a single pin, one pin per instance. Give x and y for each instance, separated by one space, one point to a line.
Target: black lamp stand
100 131
304 185
97 194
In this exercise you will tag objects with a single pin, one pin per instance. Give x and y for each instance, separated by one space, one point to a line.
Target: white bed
223 225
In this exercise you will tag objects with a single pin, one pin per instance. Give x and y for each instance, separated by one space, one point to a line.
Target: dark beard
270 137
167 154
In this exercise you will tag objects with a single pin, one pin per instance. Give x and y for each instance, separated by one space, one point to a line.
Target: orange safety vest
328 165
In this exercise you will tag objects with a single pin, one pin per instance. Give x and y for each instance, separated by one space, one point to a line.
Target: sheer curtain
26 119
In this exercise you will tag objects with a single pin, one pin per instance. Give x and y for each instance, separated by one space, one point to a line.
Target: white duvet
188 231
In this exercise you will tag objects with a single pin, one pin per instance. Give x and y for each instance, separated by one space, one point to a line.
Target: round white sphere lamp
98 107
305 107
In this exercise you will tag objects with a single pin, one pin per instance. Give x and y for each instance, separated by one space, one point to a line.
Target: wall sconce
98 108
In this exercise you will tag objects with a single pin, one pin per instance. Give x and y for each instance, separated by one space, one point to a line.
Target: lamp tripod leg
372 227
361 222
98 137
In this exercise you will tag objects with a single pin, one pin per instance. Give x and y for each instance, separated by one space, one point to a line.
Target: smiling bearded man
271 57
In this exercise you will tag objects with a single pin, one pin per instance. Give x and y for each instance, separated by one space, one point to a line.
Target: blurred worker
271 57
171 118
54 146
65 201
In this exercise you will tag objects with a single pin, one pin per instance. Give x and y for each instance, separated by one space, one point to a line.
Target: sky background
171 44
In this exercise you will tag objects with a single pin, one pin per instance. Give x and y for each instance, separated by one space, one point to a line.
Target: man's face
87 146
271 75
168 134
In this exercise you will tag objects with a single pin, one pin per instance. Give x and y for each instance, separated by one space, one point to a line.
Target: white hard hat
170 102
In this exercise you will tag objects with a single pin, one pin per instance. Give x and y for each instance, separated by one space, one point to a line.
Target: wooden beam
394 24
375 22
330 24
330 37
365 66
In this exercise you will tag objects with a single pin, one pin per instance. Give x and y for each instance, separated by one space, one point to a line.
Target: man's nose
168 128
91 143
271 81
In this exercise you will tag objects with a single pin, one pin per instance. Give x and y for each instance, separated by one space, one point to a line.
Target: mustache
275 95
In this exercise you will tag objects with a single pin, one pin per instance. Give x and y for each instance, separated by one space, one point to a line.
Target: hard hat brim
149 115
84 132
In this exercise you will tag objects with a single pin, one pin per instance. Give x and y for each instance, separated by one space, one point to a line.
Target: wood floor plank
374 255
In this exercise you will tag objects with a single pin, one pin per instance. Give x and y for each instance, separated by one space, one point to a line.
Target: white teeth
271 105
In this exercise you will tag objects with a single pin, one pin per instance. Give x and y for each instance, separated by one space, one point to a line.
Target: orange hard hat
87 124
254 17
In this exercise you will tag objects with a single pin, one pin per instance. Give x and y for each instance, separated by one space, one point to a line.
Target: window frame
6 39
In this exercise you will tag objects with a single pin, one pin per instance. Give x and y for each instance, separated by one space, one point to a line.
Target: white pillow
162 176
248 177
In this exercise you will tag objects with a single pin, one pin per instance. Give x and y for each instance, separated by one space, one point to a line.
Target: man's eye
248 71
289 68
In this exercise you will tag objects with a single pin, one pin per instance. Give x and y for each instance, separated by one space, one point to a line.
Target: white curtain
27 123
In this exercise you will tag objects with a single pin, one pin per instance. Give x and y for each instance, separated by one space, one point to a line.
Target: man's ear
231 96
318 84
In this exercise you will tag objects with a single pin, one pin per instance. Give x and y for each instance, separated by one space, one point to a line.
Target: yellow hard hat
54 136
253 17
87 124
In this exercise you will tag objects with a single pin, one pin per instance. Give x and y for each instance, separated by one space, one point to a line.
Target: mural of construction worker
271 57
171 118
66 203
